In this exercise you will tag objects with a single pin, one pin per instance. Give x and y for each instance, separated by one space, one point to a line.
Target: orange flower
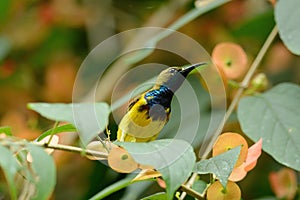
284 183
216 191
240 172
228 141
248 157
231 59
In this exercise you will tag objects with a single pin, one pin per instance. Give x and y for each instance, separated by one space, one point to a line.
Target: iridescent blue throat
162 96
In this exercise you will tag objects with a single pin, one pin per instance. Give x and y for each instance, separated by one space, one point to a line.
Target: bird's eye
172 70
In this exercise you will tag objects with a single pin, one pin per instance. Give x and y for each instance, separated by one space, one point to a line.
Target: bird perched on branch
149 112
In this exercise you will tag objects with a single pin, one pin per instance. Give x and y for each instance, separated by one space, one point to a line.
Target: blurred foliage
43 43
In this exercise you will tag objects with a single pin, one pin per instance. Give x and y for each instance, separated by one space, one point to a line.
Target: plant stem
190 192
234 102
250 73
73 149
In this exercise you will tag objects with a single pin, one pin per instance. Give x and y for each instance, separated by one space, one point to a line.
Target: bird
148 113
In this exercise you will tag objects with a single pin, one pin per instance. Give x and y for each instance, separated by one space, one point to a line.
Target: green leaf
174 159
157 196
59 129
10 167
6 130
44 171
274 116
221 165
200 186
89 118
287 15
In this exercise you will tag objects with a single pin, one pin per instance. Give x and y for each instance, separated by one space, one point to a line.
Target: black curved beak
185 71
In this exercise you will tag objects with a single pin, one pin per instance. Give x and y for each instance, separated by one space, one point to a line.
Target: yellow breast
138 126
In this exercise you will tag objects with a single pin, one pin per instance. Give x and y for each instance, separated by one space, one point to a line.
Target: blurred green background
43 43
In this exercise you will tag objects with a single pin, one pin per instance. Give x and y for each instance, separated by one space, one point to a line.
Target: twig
250 73
189 184
191 192
244 85
73 149
234 102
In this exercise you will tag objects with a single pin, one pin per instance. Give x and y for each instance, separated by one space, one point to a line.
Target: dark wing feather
133 102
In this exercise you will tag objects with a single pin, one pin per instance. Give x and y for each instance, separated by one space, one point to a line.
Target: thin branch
188 184
250 73
244 85
73 149
191 192
234 102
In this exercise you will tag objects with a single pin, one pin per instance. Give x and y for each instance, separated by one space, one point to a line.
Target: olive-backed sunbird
149 112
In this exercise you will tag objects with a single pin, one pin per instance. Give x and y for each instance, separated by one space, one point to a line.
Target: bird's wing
133 102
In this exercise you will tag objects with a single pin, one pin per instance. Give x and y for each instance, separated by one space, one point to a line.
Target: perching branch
73 149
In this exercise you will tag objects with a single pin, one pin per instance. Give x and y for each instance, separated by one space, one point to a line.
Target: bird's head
173 77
